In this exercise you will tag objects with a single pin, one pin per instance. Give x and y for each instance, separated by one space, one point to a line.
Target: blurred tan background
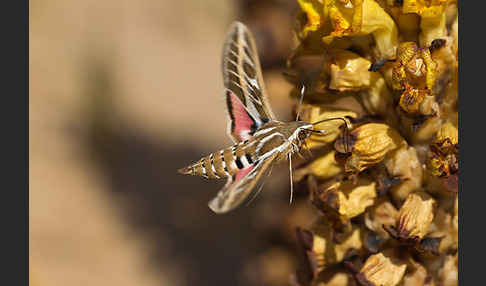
122 94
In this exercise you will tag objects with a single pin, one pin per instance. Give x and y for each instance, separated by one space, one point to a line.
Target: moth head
302 131
305 130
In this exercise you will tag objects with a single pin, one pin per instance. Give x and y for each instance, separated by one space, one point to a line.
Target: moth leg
291 180
308 150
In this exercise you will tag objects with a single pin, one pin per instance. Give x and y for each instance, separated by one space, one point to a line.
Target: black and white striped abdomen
224 163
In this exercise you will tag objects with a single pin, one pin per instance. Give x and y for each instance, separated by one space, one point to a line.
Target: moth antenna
345 129
302 92
291 180
330 119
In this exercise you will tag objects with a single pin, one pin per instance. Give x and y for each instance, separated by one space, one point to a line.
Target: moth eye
302 134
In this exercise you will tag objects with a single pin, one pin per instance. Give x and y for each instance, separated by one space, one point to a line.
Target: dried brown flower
442 158
321 251
367 145
348 199
414 218
382 269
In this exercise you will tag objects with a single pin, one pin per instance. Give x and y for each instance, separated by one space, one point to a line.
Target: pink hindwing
242 125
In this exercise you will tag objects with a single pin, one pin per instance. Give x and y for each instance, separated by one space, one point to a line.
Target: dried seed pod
367 145
382 213
404 163
382 269
414 218
347 70
346 198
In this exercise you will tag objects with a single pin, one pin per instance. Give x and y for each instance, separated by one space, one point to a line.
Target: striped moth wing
240 186
245 92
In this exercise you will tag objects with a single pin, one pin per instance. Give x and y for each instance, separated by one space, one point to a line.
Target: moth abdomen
189 170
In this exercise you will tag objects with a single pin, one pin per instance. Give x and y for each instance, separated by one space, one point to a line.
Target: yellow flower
330 19
413 66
